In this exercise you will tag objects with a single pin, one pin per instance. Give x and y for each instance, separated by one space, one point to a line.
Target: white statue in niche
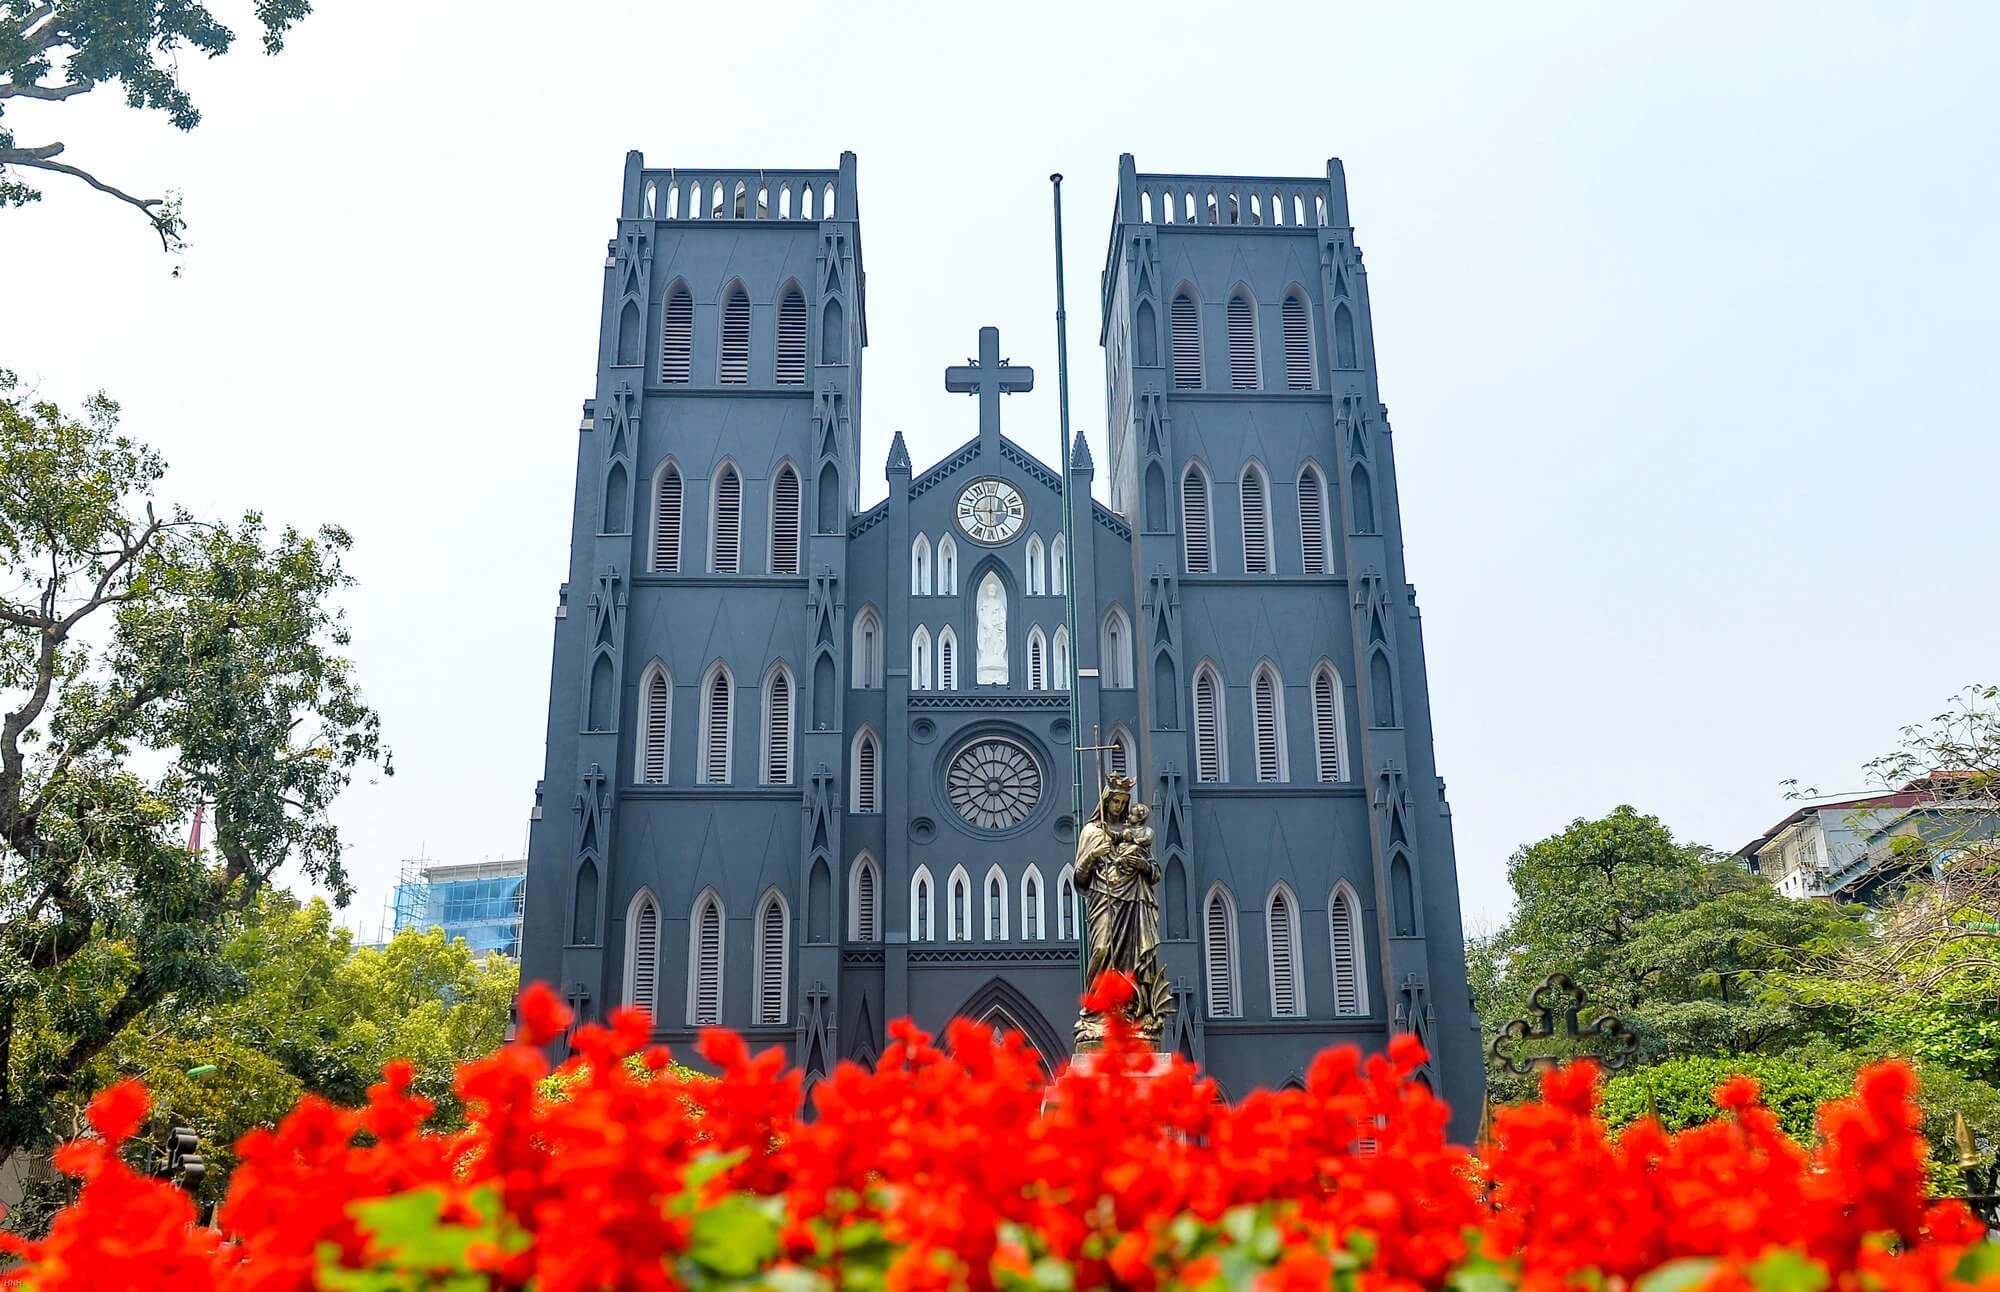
991 609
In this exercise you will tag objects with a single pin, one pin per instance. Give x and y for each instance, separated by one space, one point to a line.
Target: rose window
993 783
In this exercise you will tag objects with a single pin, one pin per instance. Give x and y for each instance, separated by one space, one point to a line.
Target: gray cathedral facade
809 763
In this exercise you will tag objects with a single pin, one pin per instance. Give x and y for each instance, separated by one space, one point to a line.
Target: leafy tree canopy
150 662
51 51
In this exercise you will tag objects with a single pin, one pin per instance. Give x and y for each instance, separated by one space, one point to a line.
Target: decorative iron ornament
1551 1032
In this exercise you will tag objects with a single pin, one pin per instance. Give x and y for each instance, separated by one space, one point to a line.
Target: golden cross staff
1099 750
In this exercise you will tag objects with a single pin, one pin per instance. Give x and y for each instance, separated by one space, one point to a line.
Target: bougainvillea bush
959 1166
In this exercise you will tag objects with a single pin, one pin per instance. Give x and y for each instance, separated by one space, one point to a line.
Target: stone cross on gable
989 376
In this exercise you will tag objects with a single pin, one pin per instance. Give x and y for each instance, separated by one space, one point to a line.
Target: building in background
478 901
1864 849
809 762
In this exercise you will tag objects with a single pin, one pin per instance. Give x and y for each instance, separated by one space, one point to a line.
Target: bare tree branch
155 209
52 93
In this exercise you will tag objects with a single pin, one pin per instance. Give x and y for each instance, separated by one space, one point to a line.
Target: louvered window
867 925
1286 998
715 707
778 728
1266 698
1121 754
1256 522
654 727
1037 663
1298 344
705 974
792 339
677 335
773 951
1326 723
1219 933
996 909
785 522
867 774
1242 344
667 521
645 957
1312 521
1207 726
735 358
1194 522
726 547
947 660
1187 343
1066 906
1344 919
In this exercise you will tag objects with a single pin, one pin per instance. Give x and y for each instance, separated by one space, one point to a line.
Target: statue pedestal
1087 1064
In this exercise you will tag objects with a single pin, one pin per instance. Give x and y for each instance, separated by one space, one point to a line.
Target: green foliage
1682 1090
150 663
55 50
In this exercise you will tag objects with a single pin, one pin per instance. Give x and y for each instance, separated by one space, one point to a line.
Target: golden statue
1116 873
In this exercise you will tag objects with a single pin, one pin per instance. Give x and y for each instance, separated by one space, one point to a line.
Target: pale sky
1685 319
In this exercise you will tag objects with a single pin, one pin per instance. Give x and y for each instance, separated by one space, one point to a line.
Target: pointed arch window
778 726
1037 582
1185 324
656 720
1256 493
1343 337
958 927
704 1004
1219 944
1312 521
864 901
1195 530
1350 984
947 659
642 954
773 959
1298 342
867 663
947 567
1058 565
920 659
717 699
1066 907
1211 749
792 337
785 521
676 335
1242 343
667 489
920 566
1031 904
1267 711
1281 919
1329 736
1038 661
1124 755
866 796
725 543
734 359
1117 650
994 913
923 906
1059 659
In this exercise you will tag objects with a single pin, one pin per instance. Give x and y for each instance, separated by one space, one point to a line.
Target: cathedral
810 764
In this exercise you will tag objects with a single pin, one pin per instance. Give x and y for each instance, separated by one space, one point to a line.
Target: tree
52 51
150 663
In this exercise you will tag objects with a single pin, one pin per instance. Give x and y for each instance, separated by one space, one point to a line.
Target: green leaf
1678 1276
736 1236
1788 1270
1981 1261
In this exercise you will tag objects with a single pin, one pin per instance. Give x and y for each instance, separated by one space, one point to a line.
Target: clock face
991 511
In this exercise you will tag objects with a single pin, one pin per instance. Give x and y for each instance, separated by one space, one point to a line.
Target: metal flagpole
1069 578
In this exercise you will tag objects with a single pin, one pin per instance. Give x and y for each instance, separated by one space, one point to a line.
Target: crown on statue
1116 784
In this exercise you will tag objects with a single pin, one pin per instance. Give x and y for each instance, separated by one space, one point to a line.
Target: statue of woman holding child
1117 873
